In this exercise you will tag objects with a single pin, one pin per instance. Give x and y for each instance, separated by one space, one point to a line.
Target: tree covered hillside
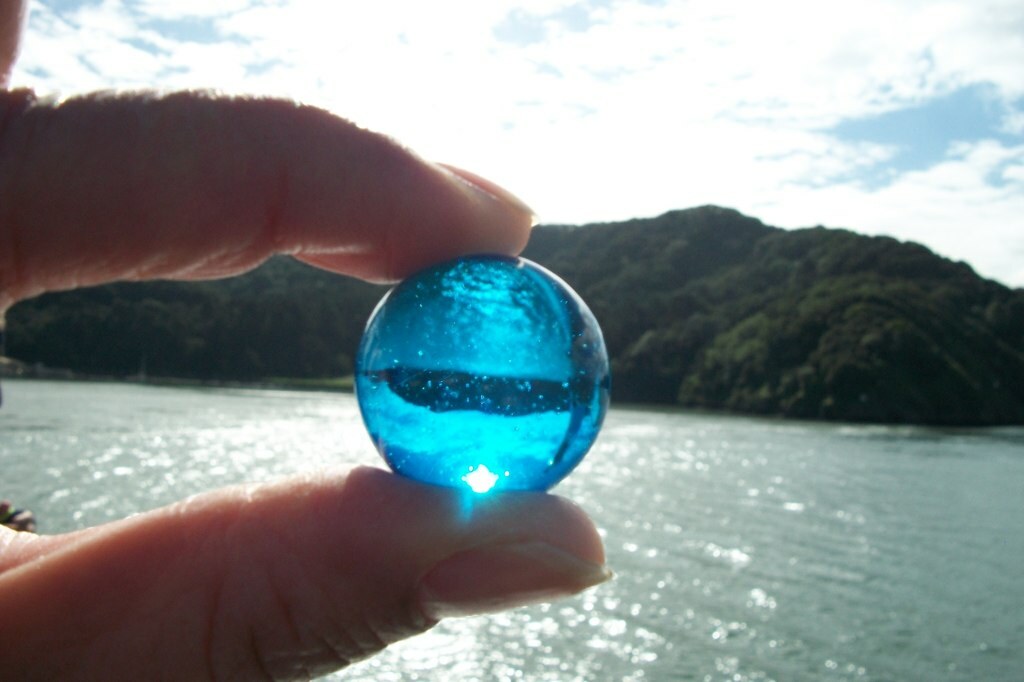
284 319
703 307
709 308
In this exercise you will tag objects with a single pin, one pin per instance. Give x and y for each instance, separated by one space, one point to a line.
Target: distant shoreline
15 369
345 385
703 308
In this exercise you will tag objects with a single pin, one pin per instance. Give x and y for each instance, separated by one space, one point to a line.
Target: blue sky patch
63 6
520 28
191 30
524 28
921 135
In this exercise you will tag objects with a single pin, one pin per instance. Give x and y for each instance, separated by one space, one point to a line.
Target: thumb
288 580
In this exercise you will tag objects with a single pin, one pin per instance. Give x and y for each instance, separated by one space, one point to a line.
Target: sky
902 117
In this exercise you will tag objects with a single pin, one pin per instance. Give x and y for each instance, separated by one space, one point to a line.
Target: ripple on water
866 553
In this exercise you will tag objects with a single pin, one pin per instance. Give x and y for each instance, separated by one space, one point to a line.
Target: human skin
289 579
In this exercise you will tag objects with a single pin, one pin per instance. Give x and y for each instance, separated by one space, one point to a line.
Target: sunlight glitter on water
830 572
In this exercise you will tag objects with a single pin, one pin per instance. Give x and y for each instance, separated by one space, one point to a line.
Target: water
744 549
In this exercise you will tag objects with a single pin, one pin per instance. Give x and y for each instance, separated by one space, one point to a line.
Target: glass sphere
484 373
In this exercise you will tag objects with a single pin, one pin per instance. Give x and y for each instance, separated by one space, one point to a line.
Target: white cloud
650 107
968 207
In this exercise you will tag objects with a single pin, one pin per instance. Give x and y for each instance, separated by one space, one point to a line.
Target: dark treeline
284 319
703 308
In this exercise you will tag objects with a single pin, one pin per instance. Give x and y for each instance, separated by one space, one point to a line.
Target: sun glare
480 480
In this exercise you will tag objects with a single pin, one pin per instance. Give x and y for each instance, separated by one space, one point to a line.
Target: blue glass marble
485 373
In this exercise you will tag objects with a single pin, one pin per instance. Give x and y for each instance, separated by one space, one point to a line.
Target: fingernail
492 190
499 577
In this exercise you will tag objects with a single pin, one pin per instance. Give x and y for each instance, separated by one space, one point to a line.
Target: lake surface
743 549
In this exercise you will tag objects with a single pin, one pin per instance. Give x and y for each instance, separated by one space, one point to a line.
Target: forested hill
703 307
709 308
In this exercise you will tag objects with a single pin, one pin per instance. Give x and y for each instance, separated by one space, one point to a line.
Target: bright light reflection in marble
480 480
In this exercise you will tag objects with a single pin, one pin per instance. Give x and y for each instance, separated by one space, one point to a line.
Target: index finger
189 185
13 14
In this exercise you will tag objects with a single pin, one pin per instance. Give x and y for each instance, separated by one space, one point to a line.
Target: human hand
283 580
286 580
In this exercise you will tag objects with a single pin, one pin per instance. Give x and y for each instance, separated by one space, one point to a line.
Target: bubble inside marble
484 373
